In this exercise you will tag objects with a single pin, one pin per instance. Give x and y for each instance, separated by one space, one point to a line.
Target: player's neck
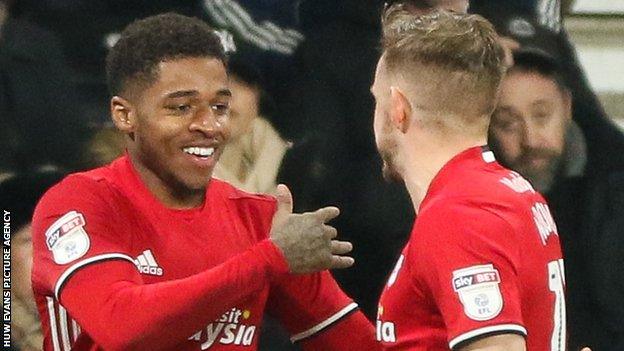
423 166
174 196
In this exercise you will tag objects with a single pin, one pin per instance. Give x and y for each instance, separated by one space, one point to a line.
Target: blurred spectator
532 132
263 33
19 194
537 23
254 153
105 145
40 123
87 29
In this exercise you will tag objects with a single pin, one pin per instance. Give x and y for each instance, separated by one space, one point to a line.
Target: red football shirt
95 224
483 259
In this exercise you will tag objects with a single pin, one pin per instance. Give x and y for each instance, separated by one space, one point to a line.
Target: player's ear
401 109
123 114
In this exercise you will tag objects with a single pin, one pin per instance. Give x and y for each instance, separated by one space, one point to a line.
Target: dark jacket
40 124
588 209
589 212
335 160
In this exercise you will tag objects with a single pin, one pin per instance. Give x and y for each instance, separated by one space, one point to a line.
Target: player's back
539 263
483 258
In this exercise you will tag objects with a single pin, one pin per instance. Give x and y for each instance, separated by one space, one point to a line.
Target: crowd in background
301 114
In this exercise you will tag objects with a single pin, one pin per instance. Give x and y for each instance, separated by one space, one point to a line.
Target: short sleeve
308 304
75 224
467 258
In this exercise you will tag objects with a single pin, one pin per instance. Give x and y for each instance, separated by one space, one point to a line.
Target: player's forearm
353 333
121 313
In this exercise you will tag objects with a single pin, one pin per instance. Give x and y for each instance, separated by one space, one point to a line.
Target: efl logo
478 290
67 238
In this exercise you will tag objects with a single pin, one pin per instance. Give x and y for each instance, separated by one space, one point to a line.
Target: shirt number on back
556 283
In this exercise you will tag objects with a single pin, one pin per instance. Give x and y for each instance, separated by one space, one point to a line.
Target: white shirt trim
73 268
53 331
317 328
488 156
486 330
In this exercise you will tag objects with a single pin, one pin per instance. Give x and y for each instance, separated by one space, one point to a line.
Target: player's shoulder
253 211
240 196
468 211
85 185
499 186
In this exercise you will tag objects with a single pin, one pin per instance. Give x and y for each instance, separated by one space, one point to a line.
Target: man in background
533 132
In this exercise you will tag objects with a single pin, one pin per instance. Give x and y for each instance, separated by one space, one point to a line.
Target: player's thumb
284 200
284 205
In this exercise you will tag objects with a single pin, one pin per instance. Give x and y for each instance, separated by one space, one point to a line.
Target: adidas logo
146 264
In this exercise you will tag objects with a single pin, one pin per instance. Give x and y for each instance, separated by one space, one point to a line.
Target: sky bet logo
478 290
66 224
227 330
477 278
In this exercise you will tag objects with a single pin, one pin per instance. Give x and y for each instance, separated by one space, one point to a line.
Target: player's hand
305 239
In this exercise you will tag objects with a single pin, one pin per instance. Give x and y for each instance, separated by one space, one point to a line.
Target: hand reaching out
306 240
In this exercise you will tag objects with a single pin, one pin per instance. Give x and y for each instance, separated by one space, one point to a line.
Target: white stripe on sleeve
317 328
53 330
75 331
64 329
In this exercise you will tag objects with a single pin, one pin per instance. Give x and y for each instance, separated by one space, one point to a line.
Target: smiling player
150 253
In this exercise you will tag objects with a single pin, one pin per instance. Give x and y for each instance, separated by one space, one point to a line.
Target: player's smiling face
179 125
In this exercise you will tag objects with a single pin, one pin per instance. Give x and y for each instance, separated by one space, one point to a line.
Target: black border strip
488 334
60 288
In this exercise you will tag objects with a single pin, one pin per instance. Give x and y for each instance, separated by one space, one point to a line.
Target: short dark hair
145 43
540 62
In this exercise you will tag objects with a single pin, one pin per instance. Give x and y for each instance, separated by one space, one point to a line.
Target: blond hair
453 61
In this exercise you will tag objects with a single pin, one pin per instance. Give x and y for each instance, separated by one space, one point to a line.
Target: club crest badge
67 239
479 292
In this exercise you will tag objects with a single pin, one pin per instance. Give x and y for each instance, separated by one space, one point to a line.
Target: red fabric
160 315
162 278
472 218
354 333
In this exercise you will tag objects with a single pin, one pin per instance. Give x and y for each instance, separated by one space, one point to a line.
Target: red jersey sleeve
317 313
74 225
467 261
312 307
77 244
307 304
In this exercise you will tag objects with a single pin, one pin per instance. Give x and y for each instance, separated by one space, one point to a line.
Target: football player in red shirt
483 268
150 253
